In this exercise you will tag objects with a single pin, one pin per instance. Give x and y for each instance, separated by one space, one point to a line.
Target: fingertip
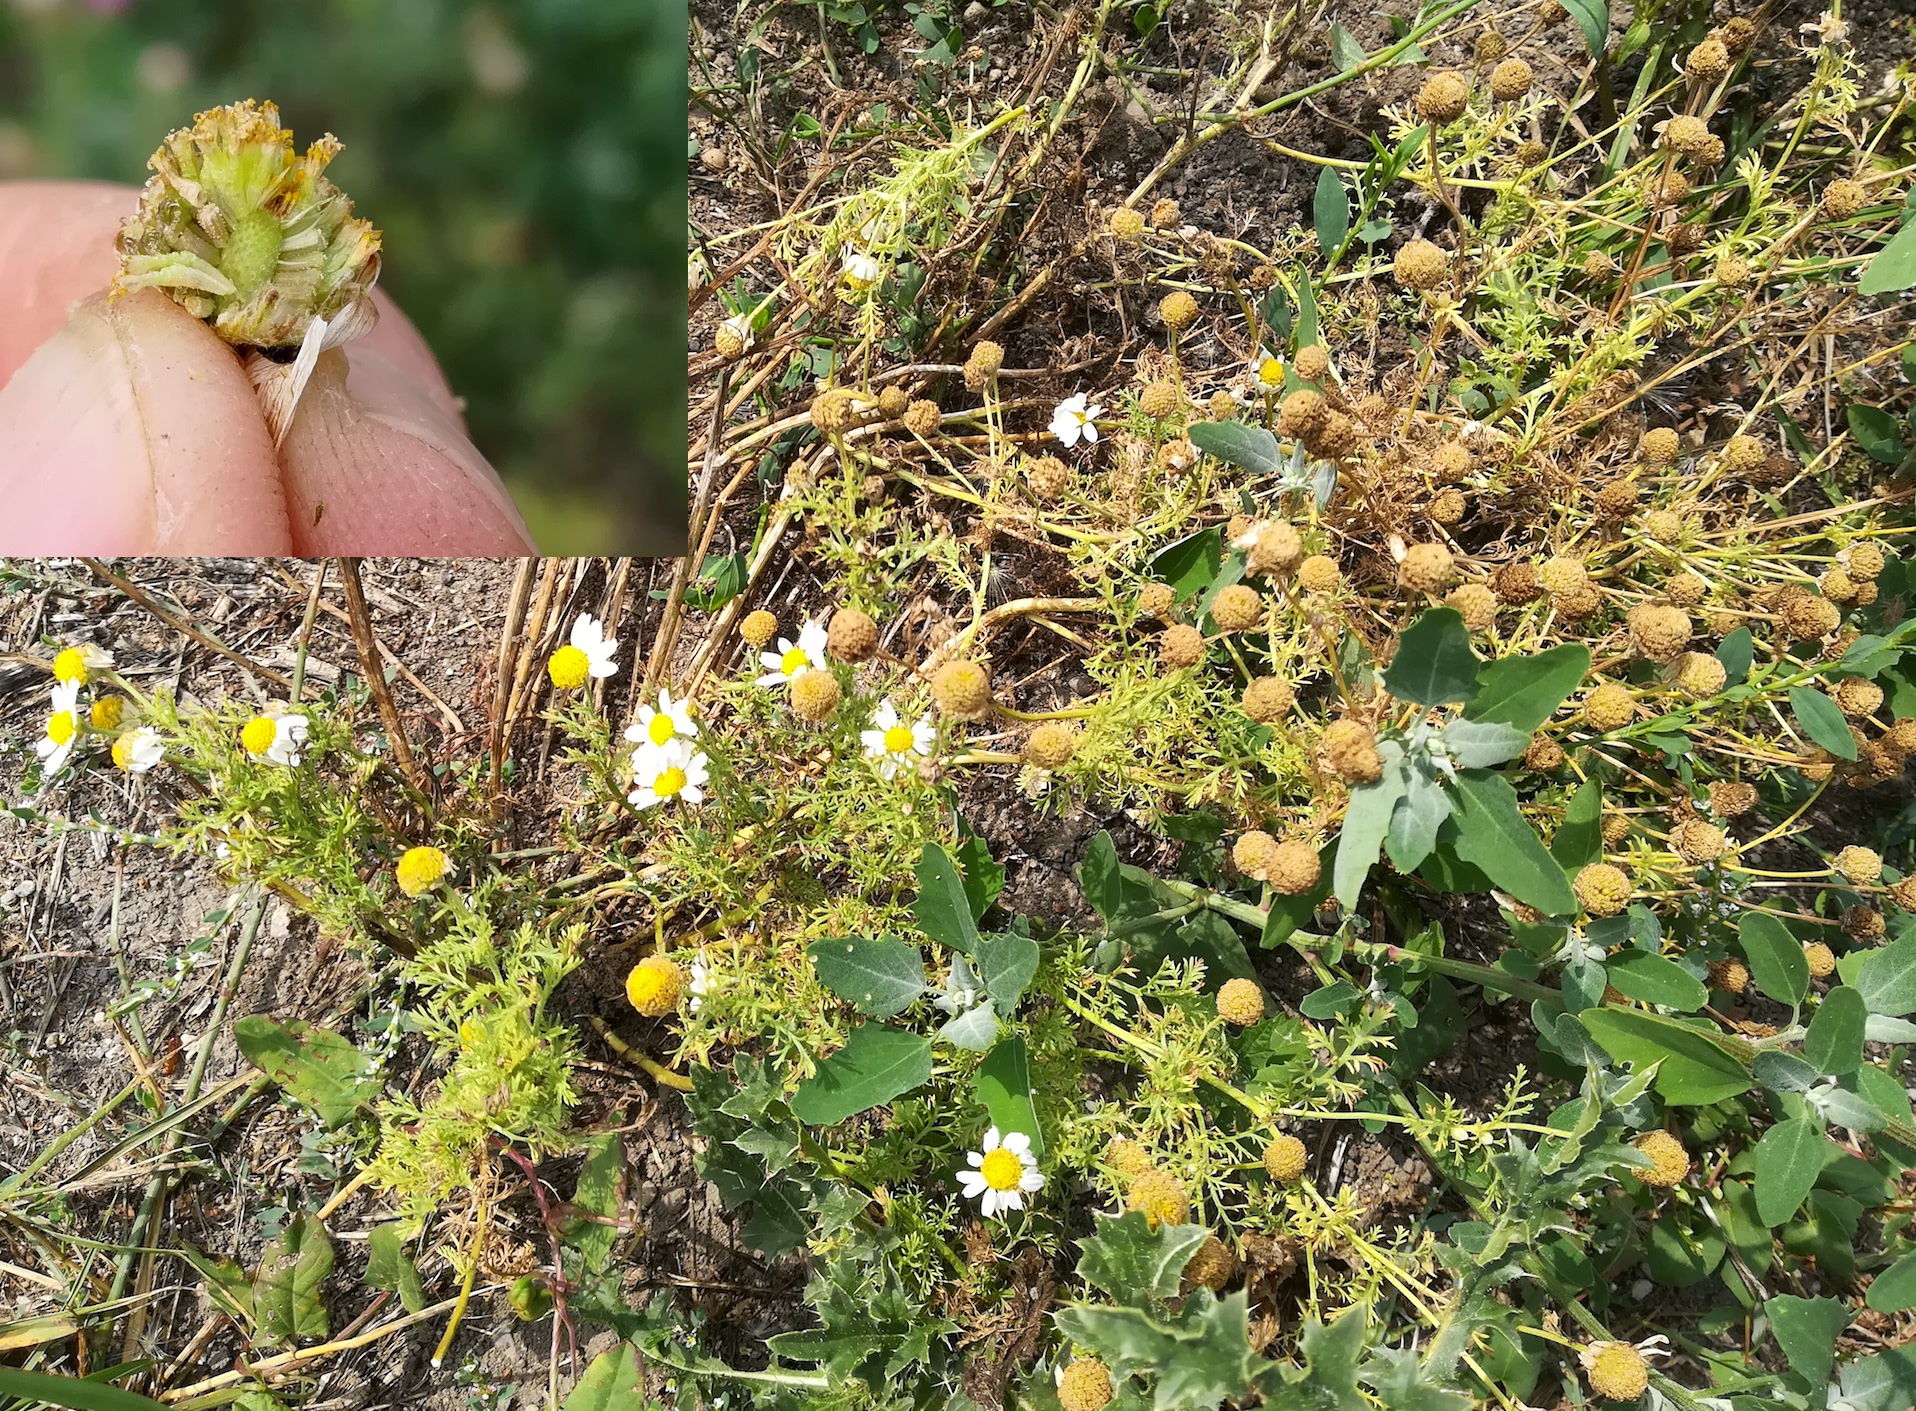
376 463
56 245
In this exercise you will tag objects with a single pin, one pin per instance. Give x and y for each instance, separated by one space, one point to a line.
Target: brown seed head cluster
1420 265
815 696
1237 609
1267 699
1156 600
1426 568
852 635
1510 80
1049 478
1602 889
1443 98
1609 706
1051 746
1843 198
758 628
1319 574
1178 310
1731 798
1276 551
1160 1197
922 417
1708 62
1159 399
1350 749
1240 1002
1660 630
962 689
833 411
1312 363
1181 646
1698 841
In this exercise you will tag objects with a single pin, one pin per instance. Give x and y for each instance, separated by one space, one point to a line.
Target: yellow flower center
419 869
1270 372
568 668
107 712
123 751
1002 1169
661 729
60 726
669 782
470 1034
899 739
794 661
258 735
70 665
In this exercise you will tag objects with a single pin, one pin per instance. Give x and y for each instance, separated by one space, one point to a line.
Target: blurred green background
525 160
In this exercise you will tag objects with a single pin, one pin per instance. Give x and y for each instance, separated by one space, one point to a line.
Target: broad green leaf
1822 720
1331 211
388 1266
1887 979
1006 962
1806 1329
1877 432
1788 1160
1402 1383
1196 1357
879 978
1415 820
942 908
1593 18
876 1065
286 1296
1493 837
1682 1253
614 1382
1330 1364
1783 1072
1894 267
1834 1043
1894 1290
1346 52
1366 821
1883 1381
1100 877
1249 448
1523 692
1578 841
1434 663
1693 1070
229 1288
315 1065
1479 744
1132 1262
1655 980
1736 652
975 1030
598 1194
1776 957
1003 1087
984 876
34 1388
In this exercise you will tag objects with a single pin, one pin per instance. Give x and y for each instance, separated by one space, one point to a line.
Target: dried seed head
1544 755
1903 893
1156 600
1667 191
1686 239
1743 455
1251 854
922 417
1267 699
241 233
1510 80
1426 568
1491 46
1821 959
1048 477
1335 438
1618 499
1729 975
1609 706
1598 266
1420 265
814 696
1350 749
852 635
1476 604
1864 925
1312 363
1051 746
732 339
1615 826
1686 590
758 628
893 402
1450 461
1237 609
1698 675
1319 574
1165 214
1160 1198
1551 13
1301 413
1663 526
1686 135
1707 63
1563 576
1672 1162
1530 153
1181 646
1660 446
1447 507
1085 1384
1293 868
1857 698
1443 98
833 411
1843 198
1861 865
1277 550
1240 1002
1516 584
983 364
1222 406
1159 399
962 689
1178 310
1602 889
1736 34
1697 841
1284 1158
1660 630
1731 798
1807 617
1865 562
1127 224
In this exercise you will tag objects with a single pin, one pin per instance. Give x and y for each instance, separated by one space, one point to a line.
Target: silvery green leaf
1326 485
1417 817
1783 1072
963 989
1478 744
1366 822
1846 1109
1887 1029
976 1029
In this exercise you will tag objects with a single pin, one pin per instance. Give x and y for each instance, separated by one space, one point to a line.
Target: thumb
133 430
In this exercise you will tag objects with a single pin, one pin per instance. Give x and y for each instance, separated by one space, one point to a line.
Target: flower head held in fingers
1075 420
806 654
672 774
63 728
239 231
587 655
276 737
895 743
1000 1175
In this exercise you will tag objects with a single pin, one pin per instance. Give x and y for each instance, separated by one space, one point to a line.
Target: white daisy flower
893 743
861 270
701 983
277 739
807 653
1268 368
77 664
1001 1174
660 725
1828 29
139 750
661 775
63 728
588 654
1073 419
